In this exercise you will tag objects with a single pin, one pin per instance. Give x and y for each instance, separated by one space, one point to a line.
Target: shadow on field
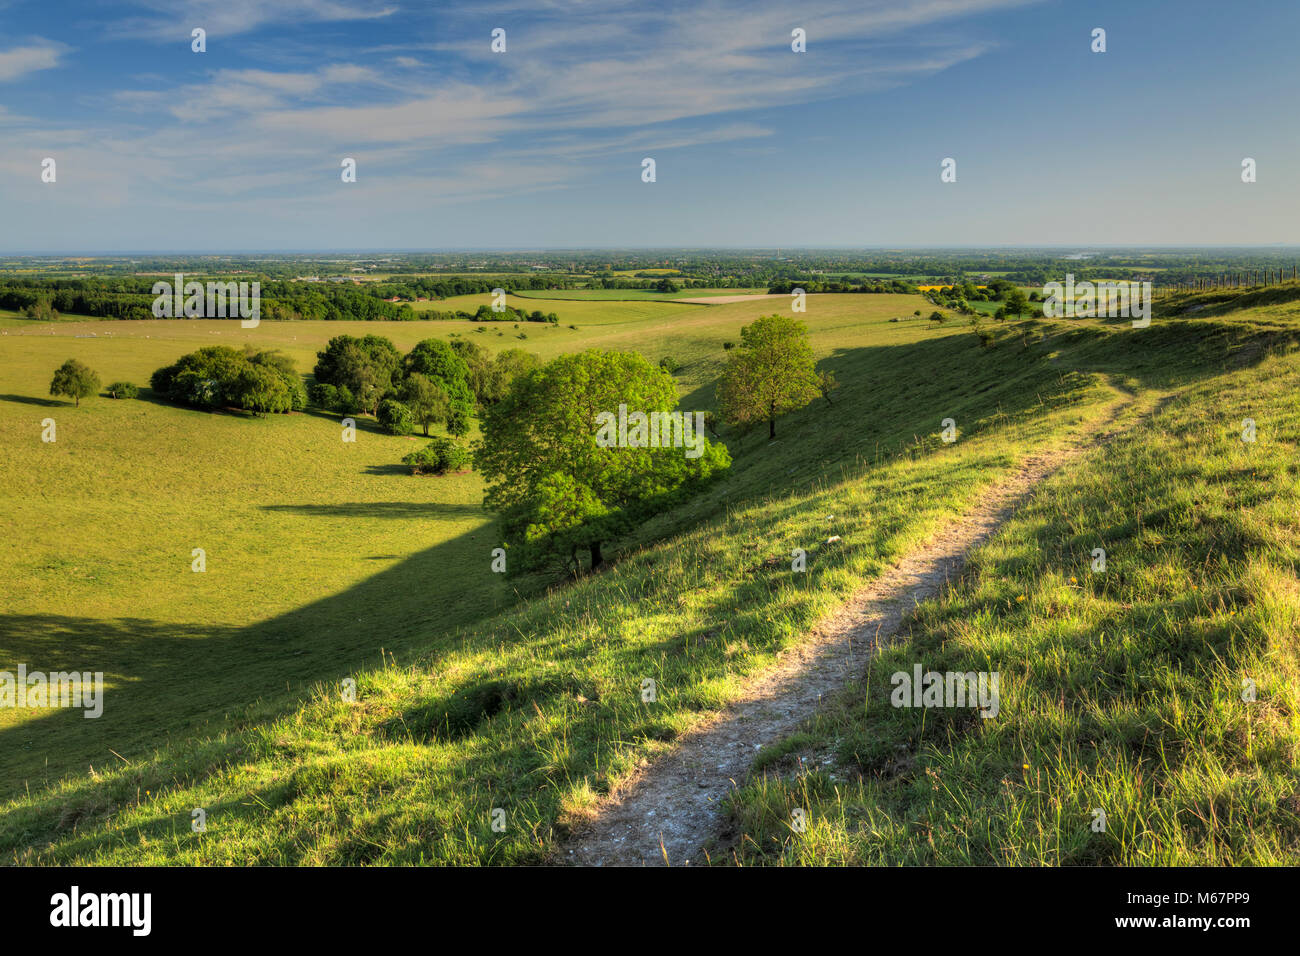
363 423
34 400
171 682
384 509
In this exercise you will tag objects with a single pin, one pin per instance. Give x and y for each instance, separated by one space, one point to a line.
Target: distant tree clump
257 381
368 367
42 311
555 487
438 457
771 374
122 390
74 380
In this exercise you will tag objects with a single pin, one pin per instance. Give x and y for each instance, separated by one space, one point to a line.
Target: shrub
394 417
728 346
122 390
438 457
217 376
323 395
669 365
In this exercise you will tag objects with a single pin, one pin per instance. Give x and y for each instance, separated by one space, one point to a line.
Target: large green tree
438 362
74 380
771 374
557 489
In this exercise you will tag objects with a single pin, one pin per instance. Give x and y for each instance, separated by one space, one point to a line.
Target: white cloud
21 60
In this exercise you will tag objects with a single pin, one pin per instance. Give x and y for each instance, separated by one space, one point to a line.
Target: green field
626 295
326 562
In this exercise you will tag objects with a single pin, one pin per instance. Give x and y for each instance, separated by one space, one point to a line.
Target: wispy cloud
170 20
36 55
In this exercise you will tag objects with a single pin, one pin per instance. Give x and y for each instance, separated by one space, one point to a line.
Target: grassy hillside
537 709
1120 691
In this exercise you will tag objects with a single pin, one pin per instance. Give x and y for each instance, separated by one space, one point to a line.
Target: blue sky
239 148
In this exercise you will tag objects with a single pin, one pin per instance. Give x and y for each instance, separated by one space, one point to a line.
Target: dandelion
1020 598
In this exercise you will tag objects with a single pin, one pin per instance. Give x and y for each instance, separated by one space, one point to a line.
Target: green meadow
474 691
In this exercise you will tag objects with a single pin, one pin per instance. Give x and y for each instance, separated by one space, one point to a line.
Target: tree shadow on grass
35 400
419 510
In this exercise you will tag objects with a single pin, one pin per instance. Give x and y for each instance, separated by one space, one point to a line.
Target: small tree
937 316
122 390
1017 302
74 380
771 374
